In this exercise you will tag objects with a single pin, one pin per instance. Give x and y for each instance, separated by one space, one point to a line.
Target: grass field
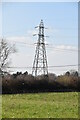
0 107
41 105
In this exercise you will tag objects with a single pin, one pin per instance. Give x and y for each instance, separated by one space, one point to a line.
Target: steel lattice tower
40 61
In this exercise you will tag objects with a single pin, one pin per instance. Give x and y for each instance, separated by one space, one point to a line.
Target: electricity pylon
40 66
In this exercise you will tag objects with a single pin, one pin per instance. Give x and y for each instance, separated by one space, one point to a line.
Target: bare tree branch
5 51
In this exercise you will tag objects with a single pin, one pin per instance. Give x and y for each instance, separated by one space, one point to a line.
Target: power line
59 66
49 46
62 49
65 65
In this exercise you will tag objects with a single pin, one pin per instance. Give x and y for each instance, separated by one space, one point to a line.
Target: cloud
31 32
20 39
66 47
28 38
62 55
52 30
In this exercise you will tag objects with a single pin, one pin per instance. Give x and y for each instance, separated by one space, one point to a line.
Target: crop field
40 105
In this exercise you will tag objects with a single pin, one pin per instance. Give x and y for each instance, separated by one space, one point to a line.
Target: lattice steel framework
40 61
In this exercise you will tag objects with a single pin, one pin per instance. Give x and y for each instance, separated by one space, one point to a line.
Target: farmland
40 105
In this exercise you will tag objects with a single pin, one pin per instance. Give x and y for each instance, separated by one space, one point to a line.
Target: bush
22 83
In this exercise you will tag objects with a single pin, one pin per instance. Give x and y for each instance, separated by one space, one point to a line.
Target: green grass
0 107
41 105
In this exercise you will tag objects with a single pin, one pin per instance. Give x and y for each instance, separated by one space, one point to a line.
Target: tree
5 51
67 73
74 73
26 73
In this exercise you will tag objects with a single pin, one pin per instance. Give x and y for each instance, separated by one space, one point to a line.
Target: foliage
23 83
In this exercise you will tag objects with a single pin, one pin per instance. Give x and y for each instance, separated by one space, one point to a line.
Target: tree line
24 83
